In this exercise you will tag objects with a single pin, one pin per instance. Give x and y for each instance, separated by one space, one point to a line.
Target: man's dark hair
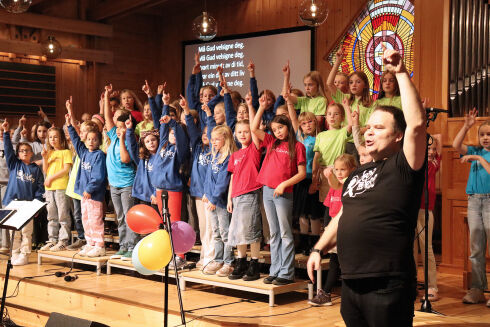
399 124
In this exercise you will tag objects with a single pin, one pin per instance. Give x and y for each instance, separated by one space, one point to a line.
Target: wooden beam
57 24
116 8
30 48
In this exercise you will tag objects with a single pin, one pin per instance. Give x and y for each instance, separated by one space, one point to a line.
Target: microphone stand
168 227
426 305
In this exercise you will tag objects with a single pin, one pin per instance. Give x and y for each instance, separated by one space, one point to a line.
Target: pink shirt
277 166
244 164
333 201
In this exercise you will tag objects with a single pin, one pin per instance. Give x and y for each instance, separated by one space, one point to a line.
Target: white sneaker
60 246
212 267
20 260
85 249
47 246
224 271
96 251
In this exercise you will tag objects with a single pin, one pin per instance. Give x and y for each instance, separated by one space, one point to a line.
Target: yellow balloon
155 251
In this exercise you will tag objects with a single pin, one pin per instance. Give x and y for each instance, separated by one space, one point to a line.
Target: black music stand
14 217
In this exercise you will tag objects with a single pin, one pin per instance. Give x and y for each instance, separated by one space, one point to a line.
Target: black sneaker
253 272
269 279
240 269
321 299
282 281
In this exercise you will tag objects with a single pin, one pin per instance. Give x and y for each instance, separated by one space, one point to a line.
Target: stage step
36 300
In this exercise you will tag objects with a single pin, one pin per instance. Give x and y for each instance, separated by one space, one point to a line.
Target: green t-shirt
142 127
364 112
396 101
330 144
70 187
316 105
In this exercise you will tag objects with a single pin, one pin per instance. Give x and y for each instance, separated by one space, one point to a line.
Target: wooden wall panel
136 45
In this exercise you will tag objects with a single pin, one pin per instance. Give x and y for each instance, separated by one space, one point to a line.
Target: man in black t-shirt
374 231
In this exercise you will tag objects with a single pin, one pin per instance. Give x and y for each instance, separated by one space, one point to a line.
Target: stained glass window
382 21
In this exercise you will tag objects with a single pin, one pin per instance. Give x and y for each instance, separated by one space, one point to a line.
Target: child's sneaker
200 264
85 249
4 250
60 246
212 267
321 298
47 246
20 260
118 254
77 245
96 251
127 256
179 261
225 271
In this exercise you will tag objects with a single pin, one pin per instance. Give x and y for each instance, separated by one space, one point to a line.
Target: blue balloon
137 264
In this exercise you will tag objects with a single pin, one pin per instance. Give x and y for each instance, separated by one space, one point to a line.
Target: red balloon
143 219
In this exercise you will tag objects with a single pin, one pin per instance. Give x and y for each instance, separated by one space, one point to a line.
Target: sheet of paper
25 211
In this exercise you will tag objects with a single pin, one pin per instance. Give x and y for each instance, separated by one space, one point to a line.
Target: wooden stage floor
123 300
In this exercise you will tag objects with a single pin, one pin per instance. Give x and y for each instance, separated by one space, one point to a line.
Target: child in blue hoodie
142 154
26 182
91 184
216 197
166 175
201 158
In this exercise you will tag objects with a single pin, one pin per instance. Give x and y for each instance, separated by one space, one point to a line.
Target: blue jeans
77 216
479 226
123 201
220 224
279 211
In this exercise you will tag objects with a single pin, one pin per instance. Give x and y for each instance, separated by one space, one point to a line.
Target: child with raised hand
478 190
283 167
57 161
215 198
201 157
84 129
91 182
197 95
244 202
120 173
336 176
156 104
389 95
266 94
314 101
142 154
26 182
359 96
330 144
165 175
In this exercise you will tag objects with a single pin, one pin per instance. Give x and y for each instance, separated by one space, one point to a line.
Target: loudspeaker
61 320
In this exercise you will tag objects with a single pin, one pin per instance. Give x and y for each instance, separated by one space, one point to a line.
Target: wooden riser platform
72 256
120 300
256 286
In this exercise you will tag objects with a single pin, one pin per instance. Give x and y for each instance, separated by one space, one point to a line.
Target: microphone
436 110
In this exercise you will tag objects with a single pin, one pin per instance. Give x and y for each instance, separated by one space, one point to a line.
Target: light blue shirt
479 179
119 174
